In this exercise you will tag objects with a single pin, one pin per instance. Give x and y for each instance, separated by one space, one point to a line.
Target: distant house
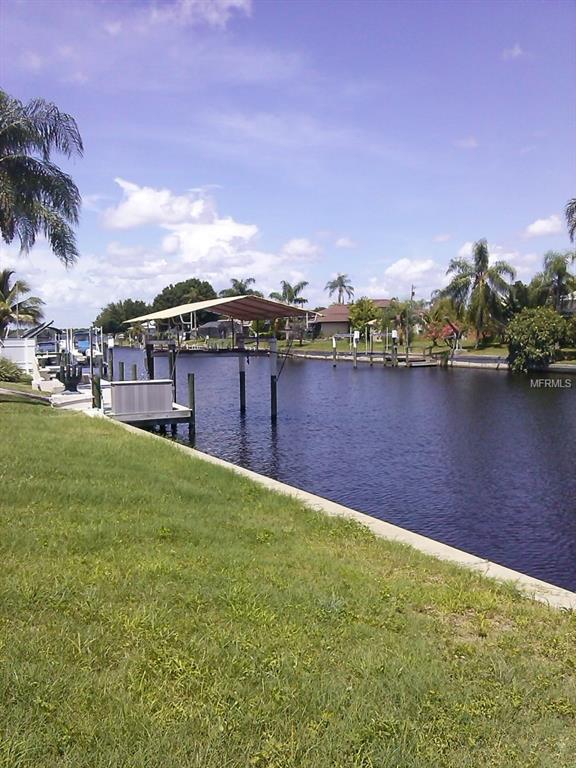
335 319
568 304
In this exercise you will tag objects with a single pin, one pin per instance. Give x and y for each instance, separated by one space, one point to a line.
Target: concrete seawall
550 594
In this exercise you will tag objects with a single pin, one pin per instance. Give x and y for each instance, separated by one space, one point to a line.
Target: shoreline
550 594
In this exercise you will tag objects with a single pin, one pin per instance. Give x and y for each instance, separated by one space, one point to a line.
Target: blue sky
229 138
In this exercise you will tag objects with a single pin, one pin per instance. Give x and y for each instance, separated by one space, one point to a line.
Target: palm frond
570 213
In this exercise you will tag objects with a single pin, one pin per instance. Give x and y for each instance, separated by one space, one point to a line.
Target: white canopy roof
237 307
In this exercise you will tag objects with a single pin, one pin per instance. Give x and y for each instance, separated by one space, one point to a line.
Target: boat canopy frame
245 308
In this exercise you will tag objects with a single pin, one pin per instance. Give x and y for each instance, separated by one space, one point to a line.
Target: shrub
9 371
533 338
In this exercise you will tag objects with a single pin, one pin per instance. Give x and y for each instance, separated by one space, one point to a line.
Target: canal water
477 459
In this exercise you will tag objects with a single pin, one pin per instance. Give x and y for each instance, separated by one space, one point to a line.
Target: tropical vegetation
9 371
241 288
479 289
362 312
185 292
291 293
113 316
556 281
36 196
570 213
161 611
534 336
341 286
15 305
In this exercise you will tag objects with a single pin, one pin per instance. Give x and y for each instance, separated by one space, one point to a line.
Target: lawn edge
550 594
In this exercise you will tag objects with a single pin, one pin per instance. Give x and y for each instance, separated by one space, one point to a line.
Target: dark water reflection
476 459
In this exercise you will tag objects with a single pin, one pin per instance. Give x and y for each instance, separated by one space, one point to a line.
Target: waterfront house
335 319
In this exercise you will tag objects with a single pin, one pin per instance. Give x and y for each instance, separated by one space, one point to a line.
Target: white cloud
525 264
512 53
550 226
191 239
145 205
410 269
345 242
442 238
214 13
300 248
426 275
465 251
468 142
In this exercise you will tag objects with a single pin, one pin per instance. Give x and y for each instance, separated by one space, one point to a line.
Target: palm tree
290 294
14 305
556 280
241 288
478 288
341 285
570 213
36 197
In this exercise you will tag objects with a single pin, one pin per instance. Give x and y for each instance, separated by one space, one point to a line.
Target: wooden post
407 344
242 373
192 406
110 365
150 360
172 364
121 371
355 352
371 344
333 351
394 353
96 392
273 378
134 372
91 344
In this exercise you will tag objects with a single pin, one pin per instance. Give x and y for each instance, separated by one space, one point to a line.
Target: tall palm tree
478 288
36 197
241 288
340 285
570 213
15 306
290 294
556 280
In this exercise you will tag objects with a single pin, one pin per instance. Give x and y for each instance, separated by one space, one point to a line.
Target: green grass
17 386
158 611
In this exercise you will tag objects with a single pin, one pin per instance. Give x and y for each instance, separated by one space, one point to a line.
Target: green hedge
9 371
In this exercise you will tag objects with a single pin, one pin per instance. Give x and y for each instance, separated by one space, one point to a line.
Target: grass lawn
17 386
158 611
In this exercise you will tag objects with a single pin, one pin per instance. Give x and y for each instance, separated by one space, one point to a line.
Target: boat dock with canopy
183 318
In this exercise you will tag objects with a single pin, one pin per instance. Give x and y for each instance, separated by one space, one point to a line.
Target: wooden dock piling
242 373
172 365
273 378
150 360
192 406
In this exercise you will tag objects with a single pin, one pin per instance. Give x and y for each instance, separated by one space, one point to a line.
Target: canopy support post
273 379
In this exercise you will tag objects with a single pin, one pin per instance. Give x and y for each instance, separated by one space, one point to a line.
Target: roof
340 313
238 307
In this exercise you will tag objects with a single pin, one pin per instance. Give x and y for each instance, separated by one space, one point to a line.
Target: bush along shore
161 611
